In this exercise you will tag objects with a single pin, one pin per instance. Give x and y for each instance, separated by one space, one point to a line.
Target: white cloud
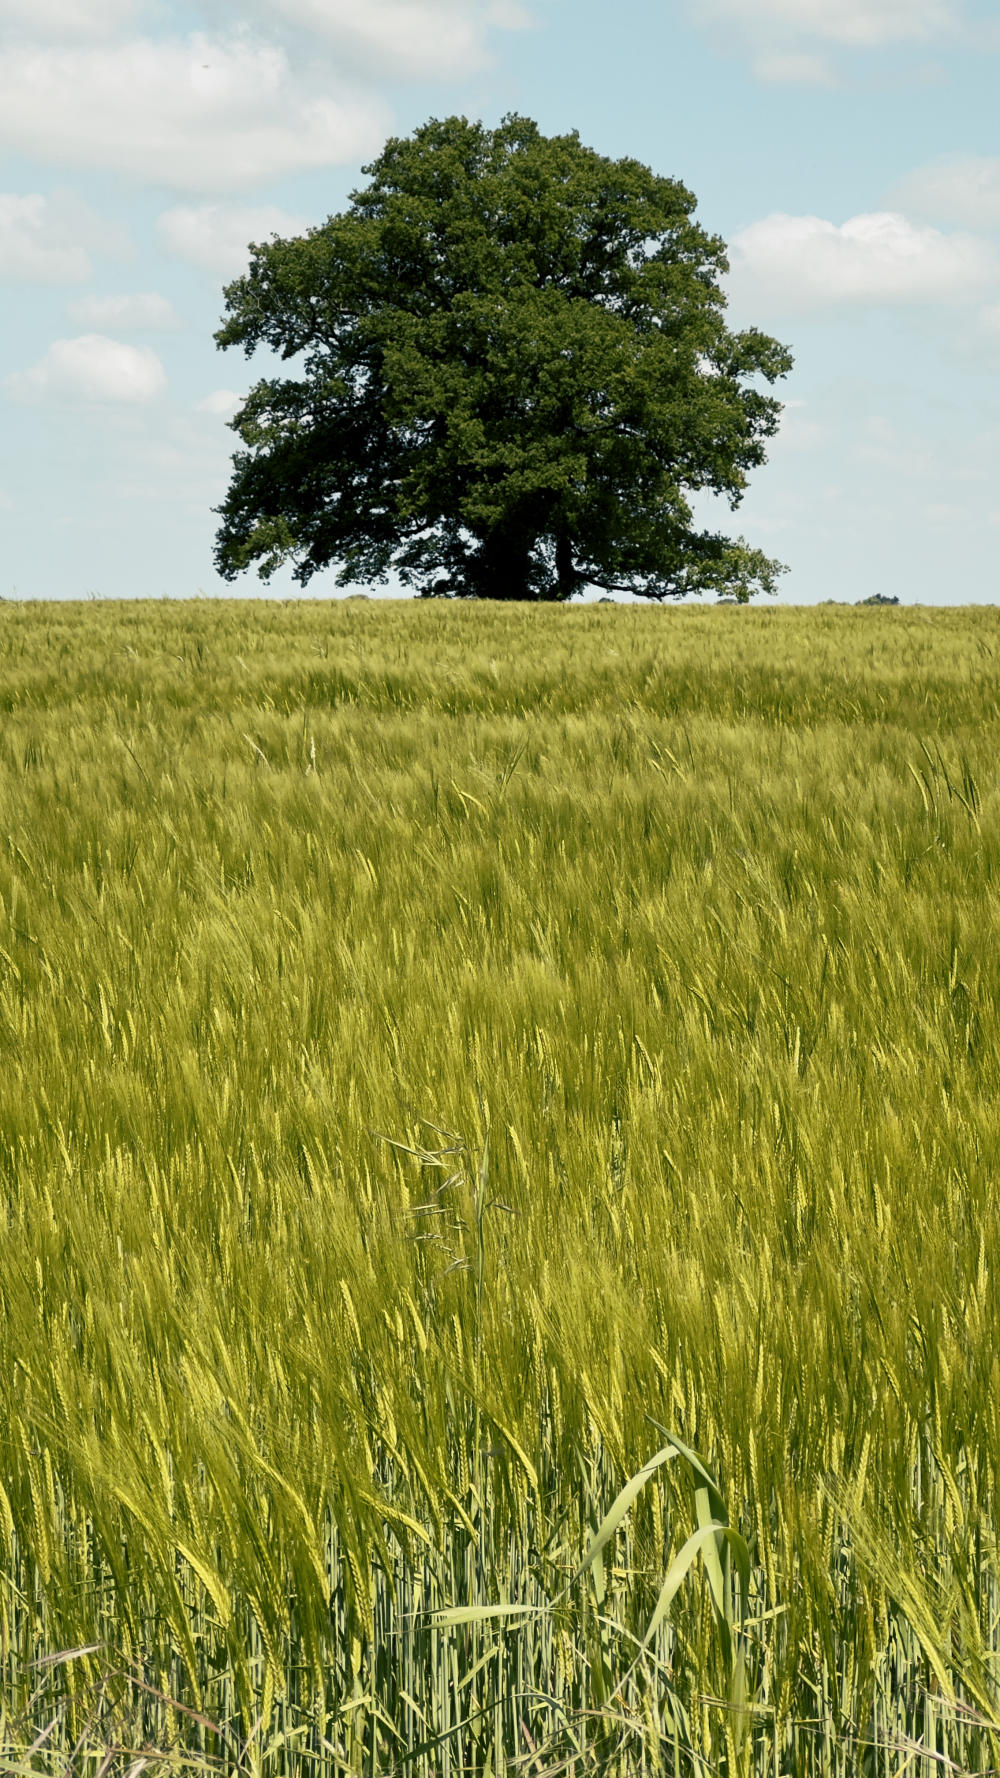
798 264
216 237
963 189
65 18
46 239
794 68
143 312
194 115
221 402
409 39
91 368
859 24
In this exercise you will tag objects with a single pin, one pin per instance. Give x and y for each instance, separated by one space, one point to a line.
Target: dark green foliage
514 370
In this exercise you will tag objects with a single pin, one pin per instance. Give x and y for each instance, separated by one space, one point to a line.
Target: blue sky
847 150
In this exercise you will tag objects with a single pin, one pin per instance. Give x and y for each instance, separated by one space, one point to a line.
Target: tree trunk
502 569
567 579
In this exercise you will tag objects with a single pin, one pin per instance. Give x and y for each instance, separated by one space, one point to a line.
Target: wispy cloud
65 19
141 312
812 42
795 67
860 24
32 249
48 239
216 237
962 189
221 402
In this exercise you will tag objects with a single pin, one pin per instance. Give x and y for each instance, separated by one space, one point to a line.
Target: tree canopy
514 371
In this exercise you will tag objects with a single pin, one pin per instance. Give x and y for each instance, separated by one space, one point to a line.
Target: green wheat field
457 1060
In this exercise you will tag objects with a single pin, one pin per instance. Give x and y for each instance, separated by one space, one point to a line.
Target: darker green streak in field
441 1046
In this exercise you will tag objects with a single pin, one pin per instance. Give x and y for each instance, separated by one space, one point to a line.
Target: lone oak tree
515 370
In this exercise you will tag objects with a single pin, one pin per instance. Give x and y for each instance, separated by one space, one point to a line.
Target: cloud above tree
195 114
